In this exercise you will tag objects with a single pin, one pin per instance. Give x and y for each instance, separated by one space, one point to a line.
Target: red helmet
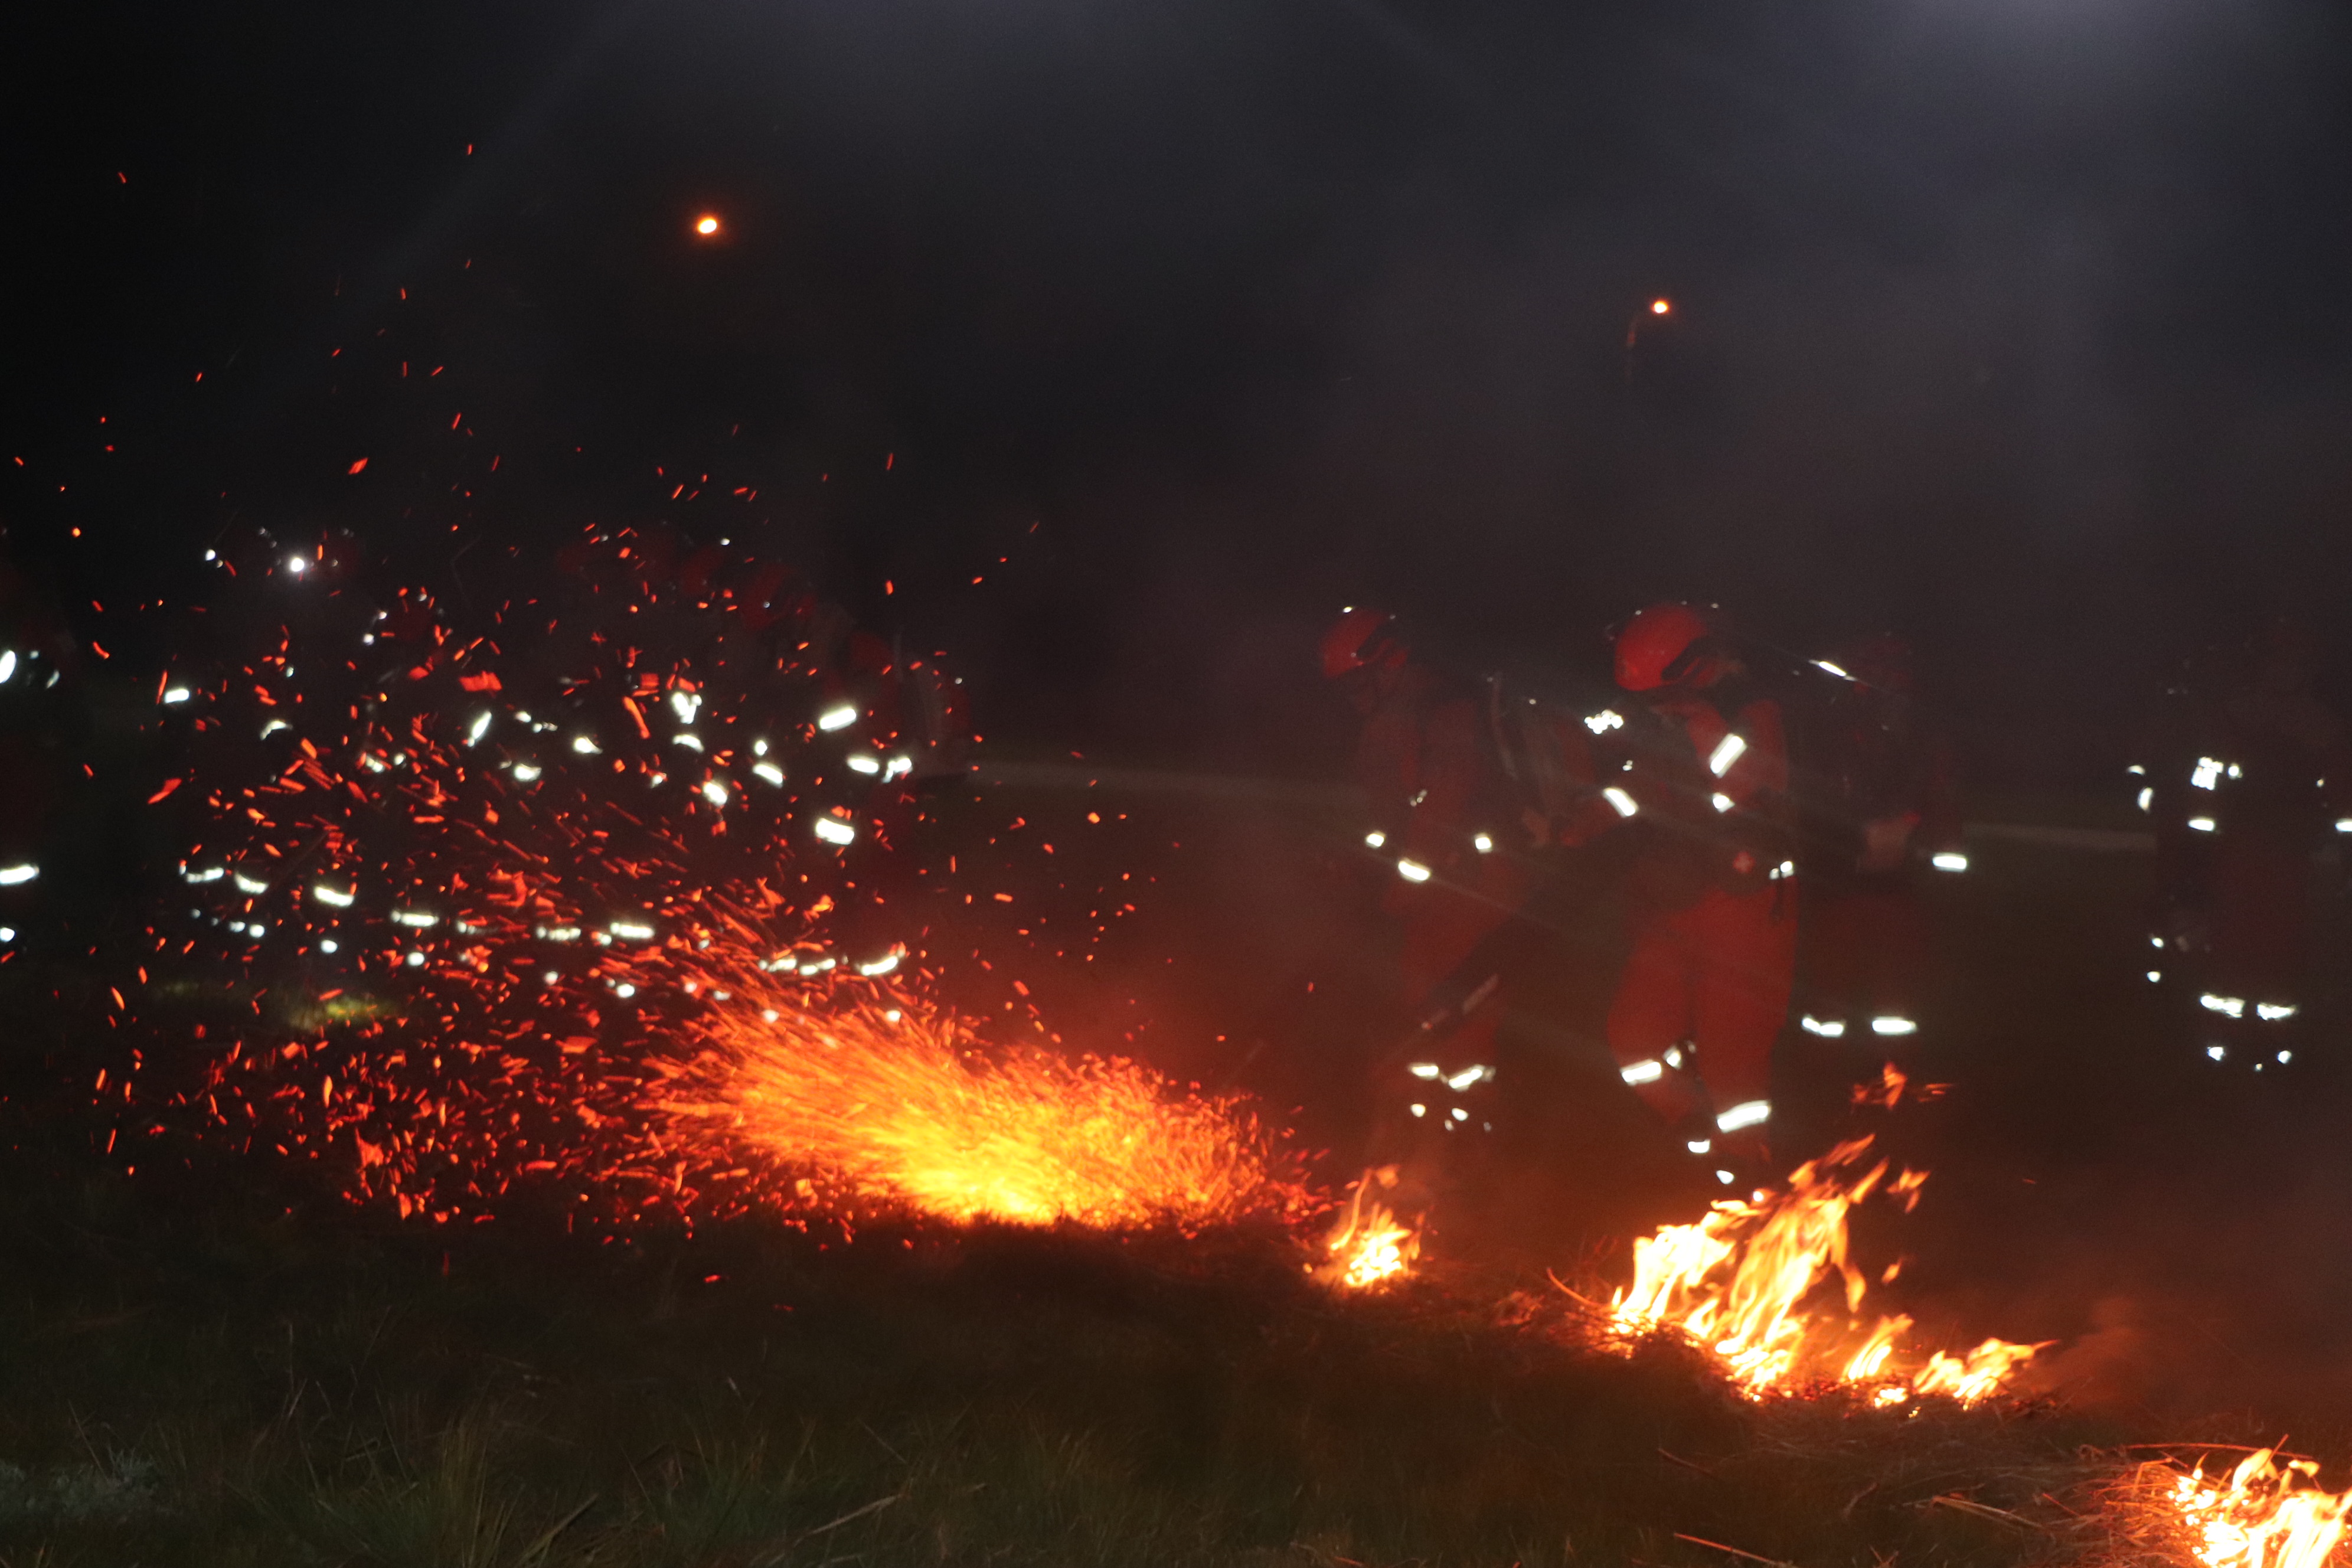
1359 637
1652 641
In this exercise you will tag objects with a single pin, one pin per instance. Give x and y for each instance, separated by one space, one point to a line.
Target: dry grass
201 1377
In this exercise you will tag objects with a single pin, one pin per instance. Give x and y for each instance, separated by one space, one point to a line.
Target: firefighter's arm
1752 770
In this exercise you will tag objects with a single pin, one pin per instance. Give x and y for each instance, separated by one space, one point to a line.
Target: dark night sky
2018 324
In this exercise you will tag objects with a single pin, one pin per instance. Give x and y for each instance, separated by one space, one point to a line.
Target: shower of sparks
502 924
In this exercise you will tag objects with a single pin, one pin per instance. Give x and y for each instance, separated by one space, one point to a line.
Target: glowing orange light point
1660 307
707 224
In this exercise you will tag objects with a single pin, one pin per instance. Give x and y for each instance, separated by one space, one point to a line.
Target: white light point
1413 872
1727 751
860 763
1375 839
1747 1113
840 718
1949 860
1620 799
1643 1072
1608 719
585 746
341 897
1890 1023
832 830
714 792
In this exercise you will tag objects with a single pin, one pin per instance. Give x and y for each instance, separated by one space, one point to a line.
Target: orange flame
1369 1246
898 1103
1741 1282
2266 1515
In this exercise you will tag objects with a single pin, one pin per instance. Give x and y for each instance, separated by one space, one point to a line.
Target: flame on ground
897 1104
1743 1282
2268 1513
1369 1245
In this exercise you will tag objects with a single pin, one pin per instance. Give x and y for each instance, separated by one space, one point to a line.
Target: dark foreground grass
199 1378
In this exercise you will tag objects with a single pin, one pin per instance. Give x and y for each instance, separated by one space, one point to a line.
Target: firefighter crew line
1680 789
1674 803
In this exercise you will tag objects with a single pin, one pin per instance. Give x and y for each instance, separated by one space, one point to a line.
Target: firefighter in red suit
2257 780
1888 818
1711 897
1436 836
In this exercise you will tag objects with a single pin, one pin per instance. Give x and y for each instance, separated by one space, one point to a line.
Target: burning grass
2253 1508
894 1104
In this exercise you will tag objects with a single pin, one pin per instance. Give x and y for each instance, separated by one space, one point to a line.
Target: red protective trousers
1869 954
1716 974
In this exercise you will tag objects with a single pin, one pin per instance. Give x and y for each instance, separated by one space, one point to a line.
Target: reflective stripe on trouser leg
1651 1015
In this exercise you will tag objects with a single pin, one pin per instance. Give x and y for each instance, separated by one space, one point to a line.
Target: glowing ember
898 1104
1743 1282
520 936
1369 1246
2267 1514
707 224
